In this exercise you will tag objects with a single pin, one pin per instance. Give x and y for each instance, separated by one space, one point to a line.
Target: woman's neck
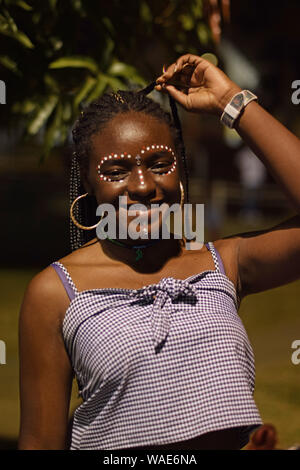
141 258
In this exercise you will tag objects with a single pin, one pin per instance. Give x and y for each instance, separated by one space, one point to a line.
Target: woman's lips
149 218
146 211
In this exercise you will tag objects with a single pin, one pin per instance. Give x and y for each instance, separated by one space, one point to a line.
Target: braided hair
90 121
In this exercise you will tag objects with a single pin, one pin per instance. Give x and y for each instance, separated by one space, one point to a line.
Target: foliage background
65 54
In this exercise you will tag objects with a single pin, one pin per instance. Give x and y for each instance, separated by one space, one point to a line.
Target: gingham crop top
160 364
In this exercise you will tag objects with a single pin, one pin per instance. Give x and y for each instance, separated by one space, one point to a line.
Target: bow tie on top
163 294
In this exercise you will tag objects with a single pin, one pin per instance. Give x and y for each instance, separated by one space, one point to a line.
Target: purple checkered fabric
161 364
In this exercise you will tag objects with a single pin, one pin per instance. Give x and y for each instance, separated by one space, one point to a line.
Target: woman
151 330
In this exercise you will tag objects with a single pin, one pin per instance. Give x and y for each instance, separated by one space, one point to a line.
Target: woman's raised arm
272 257
45 370
205 88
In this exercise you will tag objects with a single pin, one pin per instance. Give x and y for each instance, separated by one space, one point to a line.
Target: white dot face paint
141 177
138 160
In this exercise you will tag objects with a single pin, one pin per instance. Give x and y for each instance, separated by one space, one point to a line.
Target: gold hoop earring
182 194
73 218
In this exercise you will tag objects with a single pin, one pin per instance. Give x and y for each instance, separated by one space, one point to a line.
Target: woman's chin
141 233
147 225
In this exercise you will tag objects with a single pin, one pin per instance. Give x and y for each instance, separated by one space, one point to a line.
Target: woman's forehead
129 132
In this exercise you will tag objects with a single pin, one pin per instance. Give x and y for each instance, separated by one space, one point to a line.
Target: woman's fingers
169 72
187 59
186 64
197 84
188 70
180 97
176 67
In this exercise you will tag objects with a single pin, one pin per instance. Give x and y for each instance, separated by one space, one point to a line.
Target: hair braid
92 120
183 154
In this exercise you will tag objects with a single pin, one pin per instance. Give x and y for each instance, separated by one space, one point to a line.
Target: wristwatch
235 106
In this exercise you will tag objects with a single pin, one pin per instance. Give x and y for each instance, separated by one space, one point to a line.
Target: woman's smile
145 219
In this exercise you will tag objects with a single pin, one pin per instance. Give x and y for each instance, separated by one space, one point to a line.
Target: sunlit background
256 43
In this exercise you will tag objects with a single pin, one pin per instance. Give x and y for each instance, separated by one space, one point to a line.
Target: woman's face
149 176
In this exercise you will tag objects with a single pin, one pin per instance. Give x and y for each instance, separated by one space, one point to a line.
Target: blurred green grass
13 285
271 319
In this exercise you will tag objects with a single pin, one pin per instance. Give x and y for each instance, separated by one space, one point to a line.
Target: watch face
238 101
248 95
235 106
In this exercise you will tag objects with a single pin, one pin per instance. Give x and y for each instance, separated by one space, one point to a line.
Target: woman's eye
116 174
161 167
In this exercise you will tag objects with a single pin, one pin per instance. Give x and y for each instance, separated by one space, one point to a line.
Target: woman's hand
204 87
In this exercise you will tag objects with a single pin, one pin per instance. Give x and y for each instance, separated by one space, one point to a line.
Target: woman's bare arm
45 370
275 145
271 258
208 89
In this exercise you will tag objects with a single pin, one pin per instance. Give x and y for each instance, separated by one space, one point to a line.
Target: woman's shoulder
228 250
85 267
46 290
227 245
46 283
44 301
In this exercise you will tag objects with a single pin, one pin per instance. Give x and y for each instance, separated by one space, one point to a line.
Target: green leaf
197 9
23 5
85 89
10 64
127 71
145 12
187 22
75 61
7 18
67 112
77 5
52 133
56 43
51 83
9 28
98 89
52 4
24 107
23 39
18 36
115 83
108 25
107 53
203 33
42 115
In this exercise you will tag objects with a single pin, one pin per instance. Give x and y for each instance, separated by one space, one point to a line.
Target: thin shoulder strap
216 257
65 279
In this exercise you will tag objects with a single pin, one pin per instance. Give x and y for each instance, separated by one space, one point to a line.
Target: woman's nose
141 185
